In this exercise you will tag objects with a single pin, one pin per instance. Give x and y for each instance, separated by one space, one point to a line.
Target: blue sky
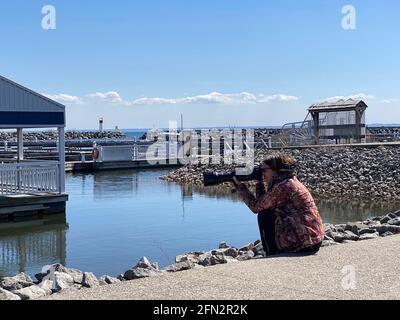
225 62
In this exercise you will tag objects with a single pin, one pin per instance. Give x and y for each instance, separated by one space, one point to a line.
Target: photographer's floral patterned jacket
298 224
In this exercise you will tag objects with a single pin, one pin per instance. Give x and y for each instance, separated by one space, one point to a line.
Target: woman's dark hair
280 163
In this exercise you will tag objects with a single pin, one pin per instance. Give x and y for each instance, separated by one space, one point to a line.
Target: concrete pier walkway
327 275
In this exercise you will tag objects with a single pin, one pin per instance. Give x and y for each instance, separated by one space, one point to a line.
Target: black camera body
212 178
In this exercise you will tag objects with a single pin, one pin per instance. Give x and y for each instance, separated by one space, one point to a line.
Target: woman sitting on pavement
288 218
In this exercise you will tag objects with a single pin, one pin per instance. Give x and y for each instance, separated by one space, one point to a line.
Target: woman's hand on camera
236 182
260 189
238 185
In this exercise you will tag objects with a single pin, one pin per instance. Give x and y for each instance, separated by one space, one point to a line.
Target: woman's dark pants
266 224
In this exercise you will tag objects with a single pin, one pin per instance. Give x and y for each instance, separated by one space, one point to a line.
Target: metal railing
29 177
136 152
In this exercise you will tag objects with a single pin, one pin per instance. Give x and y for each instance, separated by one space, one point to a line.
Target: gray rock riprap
246 255
7 295
394 221
57 267
143 269
62 281
105 280
190 256
231 252
69 135
218 258
90 280
205 259
258 250
223 245
180 266
32 292
368 236
17 282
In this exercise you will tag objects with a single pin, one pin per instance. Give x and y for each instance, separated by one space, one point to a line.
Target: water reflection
212 192
105 184
29 245
337 211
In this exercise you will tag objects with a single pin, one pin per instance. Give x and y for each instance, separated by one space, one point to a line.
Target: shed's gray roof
337 105
16 98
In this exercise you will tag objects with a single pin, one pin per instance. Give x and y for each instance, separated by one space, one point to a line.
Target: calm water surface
114 218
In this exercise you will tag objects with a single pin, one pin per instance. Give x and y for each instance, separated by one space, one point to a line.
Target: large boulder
143 269
246 255
61 281
137 273
47 285
190 256
247 247
350 236
368 236
223 245
17 282
46 270
180 266
181 258
328 243
231 252
329 227
90 280
354 227
205 259
339 236
388 228
32 292
106 280
143 263
392 215
7 295
366 230
259 250
76 274
385 219
218 258
62 278
394 221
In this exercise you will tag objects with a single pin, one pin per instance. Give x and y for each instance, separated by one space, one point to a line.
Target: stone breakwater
23 287
345 172
69 135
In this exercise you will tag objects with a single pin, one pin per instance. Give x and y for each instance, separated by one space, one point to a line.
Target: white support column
61 154
20 139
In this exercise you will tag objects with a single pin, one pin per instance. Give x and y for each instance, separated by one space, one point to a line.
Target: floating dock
78 166
26 205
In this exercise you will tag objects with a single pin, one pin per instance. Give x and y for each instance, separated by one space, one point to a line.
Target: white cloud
211 98
113 98
106 97
64 98
278 97
359 96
